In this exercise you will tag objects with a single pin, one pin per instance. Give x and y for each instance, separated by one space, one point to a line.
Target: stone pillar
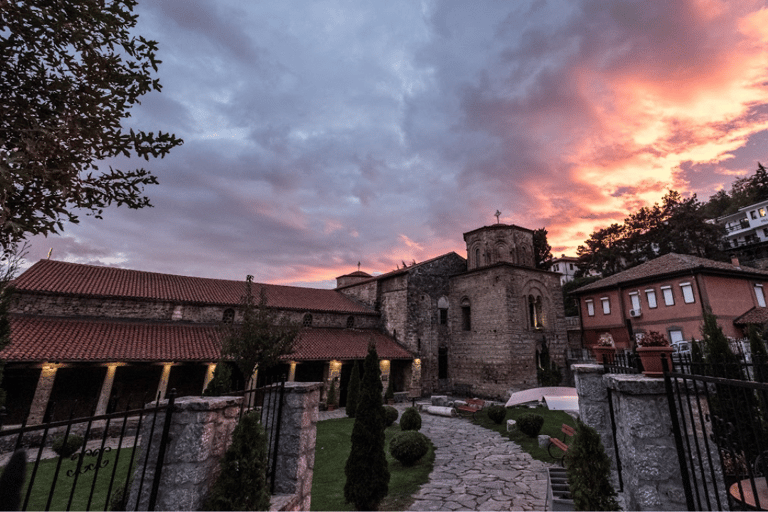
593 405
201 431
296 451
292 372
163 385
647 449
415 380
106 390
385 366
208 375
42 394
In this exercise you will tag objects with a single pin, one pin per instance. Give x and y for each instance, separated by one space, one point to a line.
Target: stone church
82 335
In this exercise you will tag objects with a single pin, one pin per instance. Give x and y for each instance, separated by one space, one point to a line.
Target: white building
747 226
565 266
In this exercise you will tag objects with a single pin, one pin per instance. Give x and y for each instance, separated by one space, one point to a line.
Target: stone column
296 451
292 372
42 394
201 431
208 375
163 385
106 390
647 449
593 403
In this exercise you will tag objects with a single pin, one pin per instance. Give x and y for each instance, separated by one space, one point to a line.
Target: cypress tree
221 383
366 469
589 471
353 390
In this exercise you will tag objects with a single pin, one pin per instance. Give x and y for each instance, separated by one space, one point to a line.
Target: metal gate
103 468
721 431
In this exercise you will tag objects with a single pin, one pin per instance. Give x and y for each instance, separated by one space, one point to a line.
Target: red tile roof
399 271
344 344
755 315
671 264
36 338
59 277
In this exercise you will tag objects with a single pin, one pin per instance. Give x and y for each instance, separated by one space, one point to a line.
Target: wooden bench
470 408
567 431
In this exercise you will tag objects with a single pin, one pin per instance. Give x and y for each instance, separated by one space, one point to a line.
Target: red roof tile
59 277
35 338
344 344
755 315
670 264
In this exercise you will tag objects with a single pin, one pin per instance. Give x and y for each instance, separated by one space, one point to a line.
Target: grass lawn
331 452
47 468
553 421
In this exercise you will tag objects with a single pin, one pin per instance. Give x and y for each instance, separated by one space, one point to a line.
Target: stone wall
201 431
644 437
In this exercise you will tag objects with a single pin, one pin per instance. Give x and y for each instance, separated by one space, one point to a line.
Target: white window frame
760 295
669 298
606 302
687 290
634 297
590 307
650 295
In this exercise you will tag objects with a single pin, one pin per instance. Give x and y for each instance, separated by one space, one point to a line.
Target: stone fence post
201 431
644 438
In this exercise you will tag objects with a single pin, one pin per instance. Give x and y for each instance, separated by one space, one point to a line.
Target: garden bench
470 408
567 431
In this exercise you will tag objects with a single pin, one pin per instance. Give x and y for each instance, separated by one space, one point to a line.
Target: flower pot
600 350
651 359
331 407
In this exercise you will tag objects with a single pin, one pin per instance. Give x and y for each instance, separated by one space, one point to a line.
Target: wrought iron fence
720 423
99 469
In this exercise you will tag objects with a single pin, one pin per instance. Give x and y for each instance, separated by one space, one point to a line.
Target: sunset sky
320 134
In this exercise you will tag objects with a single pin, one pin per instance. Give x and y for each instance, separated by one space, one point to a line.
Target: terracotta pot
599 350
331 408
651 359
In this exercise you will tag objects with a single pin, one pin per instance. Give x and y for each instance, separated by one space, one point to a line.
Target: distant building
746 234
669 294
566 267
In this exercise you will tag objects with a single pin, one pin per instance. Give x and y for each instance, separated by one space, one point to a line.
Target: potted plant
652 348
605 347
331 398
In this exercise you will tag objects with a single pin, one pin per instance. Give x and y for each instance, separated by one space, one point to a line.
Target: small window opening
307 320
229 316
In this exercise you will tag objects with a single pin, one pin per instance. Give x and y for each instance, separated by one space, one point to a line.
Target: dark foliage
530 424
221 382
366 469
497 413
12 480
589 471
262 336
242 482
71 73
389 394
390 415
542 251
353 391
408 447
10 261
62 449
548 373
570 303
410 420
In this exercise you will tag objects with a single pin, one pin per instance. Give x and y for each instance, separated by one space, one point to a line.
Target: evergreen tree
548 373
759 355
542 251
589 471
366 469
242 482
10 261
353 390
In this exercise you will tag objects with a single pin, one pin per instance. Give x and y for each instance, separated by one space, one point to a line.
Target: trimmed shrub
530 424
331 398
353 390
410 420
74 442
390 415
408 447
221 383
589 471
242 482
497 413
389 394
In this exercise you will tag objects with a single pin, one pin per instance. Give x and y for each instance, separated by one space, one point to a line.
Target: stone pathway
476 469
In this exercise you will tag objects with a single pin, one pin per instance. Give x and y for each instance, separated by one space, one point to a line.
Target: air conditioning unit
634 313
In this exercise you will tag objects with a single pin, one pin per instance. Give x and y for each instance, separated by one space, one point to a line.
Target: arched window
442 310
307 320
466 315
229 316
350 322
534 312
477 257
